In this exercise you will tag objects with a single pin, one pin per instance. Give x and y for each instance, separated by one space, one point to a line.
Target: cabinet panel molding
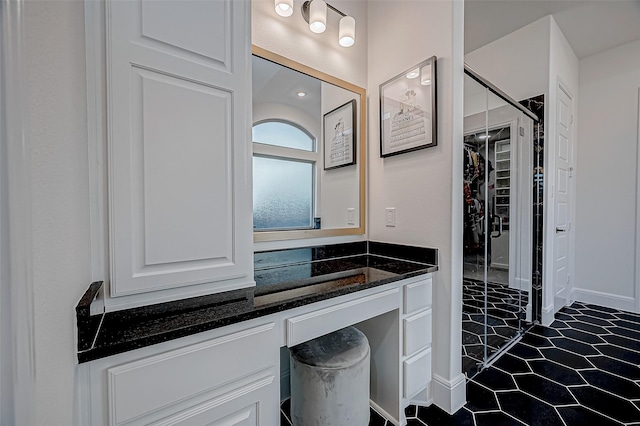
142 387
160 25
417 332
417 373
417 296
214 412
178 146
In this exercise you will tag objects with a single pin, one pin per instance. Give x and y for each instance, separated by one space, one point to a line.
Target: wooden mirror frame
296 234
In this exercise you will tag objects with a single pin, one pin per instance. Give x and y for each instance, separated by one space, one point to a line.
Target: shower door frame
490 88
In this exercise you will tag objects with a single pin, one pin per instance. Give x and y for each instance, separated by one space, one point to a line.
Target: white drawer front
417 296
318 323
417 332
417 373
145 386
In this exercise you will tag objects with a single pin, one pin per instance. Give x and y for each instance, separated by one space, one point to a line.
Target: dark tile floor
505 312
584 370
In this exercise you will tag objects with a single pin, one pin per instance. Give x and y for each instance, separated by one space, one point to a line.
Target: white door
562 207
179 95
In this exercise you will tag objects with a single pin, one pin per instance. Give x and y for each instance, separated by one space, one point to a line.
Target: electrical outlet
391 216
351 216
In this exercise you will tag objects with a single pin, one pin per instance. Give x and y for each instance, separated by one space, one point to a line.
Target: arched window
283 133
284 170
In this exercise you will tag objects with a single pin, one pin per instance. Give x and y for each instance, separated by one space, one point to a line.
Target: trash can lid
339 349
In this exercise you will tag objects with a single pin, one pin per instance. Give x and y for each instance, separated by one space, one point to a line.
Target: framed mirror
309 151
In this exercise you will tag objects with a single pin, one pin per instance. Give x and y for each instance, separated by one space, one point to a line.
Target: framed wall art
408 119
340 136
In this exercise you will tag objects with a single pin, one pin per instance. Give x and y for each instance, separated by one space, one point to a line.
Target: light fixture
302 94
425 75
347 32
315 13
318 16
284 7
413 73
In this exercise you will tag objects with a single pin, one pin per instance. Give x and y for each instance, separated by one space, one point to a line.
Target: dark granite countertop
279 287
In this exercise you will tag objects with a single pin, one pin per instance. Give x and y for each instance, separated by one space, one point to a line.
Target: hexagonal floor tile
610 405
528 409
544 389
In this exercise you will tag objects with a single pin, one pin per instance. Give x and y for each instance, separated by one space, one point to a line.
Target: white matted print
408 110
340 136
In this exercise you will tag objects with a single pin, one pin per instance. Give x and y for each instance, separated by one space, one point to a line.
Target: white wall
607 163
423 185
57 132
291 37
517 63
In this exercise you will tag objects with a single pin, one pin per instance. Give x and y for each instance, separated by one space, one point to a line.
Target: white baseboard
449 395
547 315
384 413
521 284
614 301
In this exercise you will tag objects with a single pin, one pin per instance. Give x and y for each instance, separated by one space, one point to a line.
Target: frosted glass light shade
318 16
347 33
425 75
284 7
413 73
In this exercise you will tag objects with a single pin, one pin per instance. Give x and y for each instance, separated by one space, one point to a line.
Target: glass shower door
497 228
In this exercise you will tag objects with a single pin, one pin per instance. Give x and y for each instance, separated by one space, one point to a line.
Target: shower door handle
499 227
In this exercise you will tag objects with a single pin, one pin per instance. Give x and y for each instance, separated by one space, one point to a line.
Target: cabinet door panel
148 386
178 90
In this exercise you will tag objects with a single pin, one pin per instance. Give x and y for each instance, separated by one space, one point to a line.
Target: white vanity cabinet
416 337
228 376
231 375
177 102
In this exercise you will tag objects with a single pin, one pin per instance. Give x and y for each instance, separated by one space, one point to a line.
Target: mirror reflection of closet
498 221
295 194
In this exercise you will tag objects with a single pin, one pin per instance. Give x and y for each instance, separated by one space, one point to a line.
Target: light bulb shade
318 16
425 75
347 33
284 7
413 73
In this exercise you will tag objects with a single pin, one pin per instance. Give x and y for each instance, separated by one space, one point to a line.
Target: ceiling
273 83
589 26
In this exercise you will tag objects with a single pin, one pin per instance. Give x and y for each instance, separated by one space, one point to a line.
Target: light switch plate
391 216
351 216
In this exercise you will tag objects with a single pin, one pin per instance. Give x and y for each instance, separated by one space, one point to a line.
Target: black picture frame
408 110
339 136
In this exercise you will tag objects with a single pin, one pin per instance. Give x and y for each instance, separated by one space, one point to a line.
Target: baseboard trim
449 395
547 315
624 303
384 413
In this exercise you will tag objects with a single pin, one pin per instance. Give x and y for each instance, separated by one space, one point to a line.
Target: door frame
548 284
17 352
637 230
